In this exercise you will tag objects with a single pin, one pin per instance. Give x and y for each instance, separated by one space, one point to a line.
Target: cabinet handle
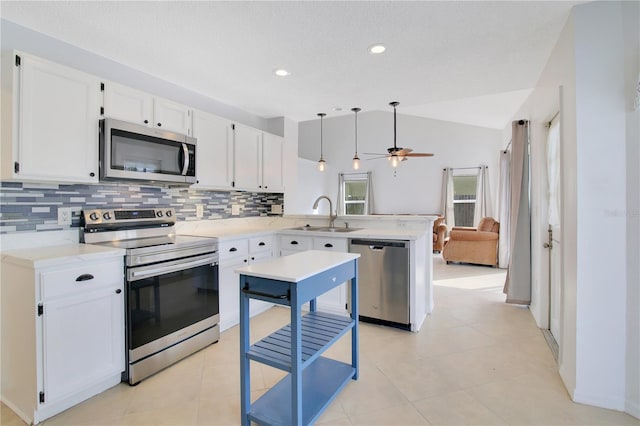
261 243
146 121
253 258
232 249
294 242
84 277
245 261
92 174
118 291
328 245
159 124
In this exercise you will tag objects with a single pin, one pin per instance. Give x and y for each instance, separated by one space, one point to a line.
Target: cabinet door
59 109
335 299
247 158
127 104
83 341
230 292
171 116
272 173
214 159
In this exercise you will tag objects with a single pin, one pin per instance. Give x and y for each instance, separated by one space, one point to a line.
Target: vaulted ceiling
472 62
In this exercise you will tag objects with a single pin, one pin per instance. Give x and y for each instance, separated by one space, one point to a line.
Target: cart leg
245 374
296 359
354 314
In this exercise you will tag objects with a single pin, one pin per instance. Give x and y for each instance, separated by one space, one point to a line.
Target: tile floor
476 361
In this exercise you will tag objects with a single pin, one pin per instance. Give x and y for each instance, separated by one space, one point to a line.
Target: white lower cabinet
334 300
62 334
233 255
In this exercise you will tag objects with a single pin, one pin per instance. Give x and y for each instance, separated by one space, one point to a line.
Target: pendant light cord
356 133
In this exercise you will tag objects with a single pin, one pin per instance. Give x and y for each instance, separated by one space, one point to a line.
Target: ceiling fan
396 154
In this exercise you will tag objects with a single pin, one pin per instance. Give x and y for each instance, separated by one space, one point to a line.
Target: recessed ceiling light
377 48
282 72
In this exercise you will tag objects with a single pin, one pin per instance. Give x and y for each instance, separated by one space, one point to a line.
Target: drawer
331 244
235 248
265 243
295 242
88 277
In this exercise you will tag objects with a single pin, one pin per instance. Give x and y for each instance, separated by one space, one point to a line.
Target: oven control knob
107 216
93 216
159 213
169 214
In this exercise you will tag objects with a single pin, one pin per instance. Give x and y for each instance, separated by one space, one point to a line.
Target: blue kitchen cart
313 381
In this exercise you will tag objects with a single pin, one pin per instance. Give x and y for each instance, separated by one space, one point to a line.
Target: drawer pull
233 249
328 245
84 277
294 243
261 243
118 291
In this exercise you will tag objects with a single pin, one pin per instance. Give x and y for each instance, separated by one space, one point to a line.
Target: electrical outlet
199 210
235 209
64 216
276 208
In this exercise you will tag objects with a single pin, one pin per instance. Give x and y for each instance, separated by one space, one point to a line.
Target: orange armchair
439 234
474 245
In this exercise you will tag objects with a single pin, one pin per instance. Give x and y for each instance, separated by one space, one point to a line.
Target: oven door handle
150 272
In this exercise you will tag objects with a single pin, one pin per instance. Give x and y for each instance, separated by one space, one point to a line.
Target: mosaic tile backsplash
34 207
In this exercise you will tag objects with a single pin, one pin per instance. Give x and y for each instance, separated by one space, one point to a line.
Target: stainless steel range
172 301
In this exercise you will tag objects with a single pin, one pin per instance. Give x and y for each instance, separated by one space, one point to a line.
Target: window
464 199
355 190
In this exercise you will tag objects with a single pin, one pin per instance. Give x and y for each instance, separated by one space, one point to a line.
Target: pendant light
321 162
356 159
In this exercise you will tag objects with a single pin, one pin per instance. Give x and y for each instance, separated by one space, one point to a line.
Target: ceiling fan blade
377 158
374 153
404 151
419 154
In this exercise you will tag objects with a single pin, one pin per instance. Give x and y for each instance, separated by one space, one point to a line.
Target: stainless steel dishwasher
383 279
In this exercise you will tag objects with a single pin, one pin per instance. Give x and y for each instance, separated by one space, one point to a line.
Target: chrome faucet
332 217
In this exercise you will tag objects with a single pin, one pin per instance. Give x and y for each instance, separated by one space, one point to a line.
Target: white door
272 178
127 104
247 158
554 243
83 341
58 122
171 116
214 159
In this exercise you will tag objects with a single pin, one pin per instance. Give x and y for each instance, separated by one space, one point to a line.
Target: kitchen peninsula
246 241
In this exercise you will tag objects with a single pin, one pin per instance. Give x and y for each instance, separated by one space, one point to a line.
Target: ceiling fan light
395 161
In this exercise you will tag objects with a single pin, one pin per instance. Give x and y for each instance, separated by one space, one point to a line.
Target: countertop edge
59 255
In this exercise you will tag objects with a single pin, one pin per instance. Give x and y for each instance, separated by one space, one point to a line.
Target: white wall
599 137
417 185
311 184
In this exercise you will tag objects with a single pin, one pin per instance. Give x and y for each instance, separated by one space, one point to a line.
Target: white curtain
447 197
483 197
553 172
517 286
504 208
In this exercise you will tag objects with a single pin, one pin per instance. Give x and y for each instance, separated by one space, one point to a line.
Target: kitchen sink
323 229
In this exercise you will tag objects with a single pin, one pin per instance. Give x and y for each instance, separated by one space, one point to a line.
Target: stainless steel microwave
134 152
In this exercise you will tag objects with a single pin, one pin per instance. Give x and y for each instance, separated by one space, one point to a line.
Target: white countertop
59 255
299 266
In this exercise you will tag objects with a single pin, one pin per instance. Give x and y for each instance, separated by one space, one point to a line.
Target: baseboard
598 400
632 408
25 418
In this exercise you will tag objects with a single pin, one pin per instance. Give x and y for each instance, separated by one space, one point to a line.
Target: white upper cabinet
272 172
55 112
247 158
214 150
171 116
127 104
